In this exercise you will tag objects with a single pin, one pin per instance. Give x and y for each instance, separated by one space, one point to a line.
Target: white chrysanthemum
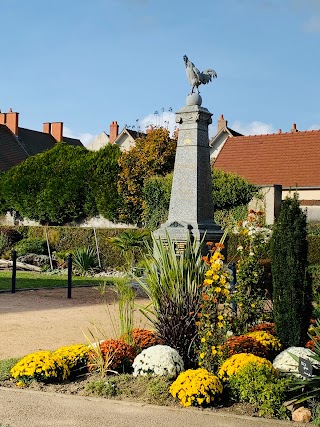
286 364
158 360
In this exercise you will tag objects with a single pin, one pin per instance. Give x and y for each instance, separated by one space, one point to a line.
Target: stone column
191 207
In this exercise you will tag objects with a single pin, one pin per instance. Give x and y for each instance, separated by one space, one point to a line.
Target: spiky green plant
131 243
172 283
308 388
126 296
85 260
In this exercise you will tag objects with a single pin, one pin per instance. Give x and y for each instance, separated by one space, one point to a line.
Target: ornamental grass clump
119 354
233 364
244 344
196 387
75 356
158 360
42 366
214 318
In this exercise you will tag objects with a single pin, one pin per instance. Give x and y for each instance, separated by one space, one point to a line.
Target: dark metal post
14 272
69 275
233 285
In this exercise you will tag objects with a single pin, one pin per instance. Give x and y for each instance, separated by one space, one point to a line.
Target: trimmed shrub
40 366
75 356
196 387
120 354
233 364
159 360
245 344
291 284
259 386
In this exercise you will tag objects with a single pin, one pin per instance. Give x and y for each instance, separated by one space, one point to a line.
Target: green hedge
64 239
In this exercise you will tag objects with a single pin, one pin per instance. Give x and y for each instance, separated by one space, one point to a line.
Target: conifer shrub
291 283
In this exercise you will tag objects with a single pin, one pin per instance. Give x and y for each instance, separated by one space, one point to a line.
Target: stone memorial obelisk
191 207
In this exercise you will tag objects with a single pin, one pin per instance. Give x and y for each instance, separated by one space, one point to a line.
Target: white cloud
314 127
85 138
253 128
312 25
164 119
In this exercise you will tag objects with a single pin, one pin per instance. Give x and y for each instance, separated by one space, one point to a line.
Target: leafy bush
157 192
291 285
4 242
196 388
313 249
75 356
158 360
122 354
244 344
41 366
30 245
258 385
233 364
85 260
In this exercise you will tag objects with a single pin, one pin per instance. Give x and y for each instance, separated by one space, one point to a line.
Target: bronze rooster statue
195 77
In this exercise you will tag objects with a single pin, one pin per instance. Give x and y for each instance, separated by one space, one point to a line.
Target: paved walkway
24 408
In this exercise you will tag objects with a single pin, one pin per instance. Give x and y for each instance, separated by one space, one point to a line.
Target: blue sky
87 63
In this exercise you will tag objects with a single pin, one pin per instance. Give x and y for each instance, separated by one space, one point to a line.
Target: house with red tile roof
217 142
17 143
290 159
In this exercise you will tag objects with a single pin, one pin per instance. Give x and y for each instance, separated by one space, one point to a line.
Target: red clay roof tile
289 159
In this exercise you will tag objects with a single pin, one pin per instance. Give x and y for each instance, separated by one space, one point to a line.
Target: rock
38 260
301 415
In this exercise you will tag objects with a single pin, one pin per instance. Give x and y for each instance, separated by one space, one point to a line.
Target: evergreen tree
291 284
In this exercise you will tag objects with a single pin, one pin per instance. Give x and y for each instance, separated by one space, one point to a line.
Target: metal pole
14 272
69 275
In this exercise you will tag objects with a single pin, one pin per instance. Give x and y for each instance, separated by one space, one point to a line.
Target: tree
229 191
58 185
152 155
291 284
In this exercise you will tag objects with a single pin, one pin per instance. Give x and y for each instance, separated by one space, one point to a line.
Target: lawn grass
30 280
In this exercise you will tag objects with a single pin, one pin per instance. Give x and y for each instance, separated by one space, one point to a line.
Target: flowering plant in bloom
244 344
232 365
266 326
119 354
158 360
40 366
75 356
196 387
253 236
214 319
144 338
269 341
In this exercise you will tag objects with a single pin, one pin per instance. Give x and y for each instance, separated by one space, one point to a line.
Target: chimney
114 131
294 128
47 128
11 120
280 131
57 131
222 123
